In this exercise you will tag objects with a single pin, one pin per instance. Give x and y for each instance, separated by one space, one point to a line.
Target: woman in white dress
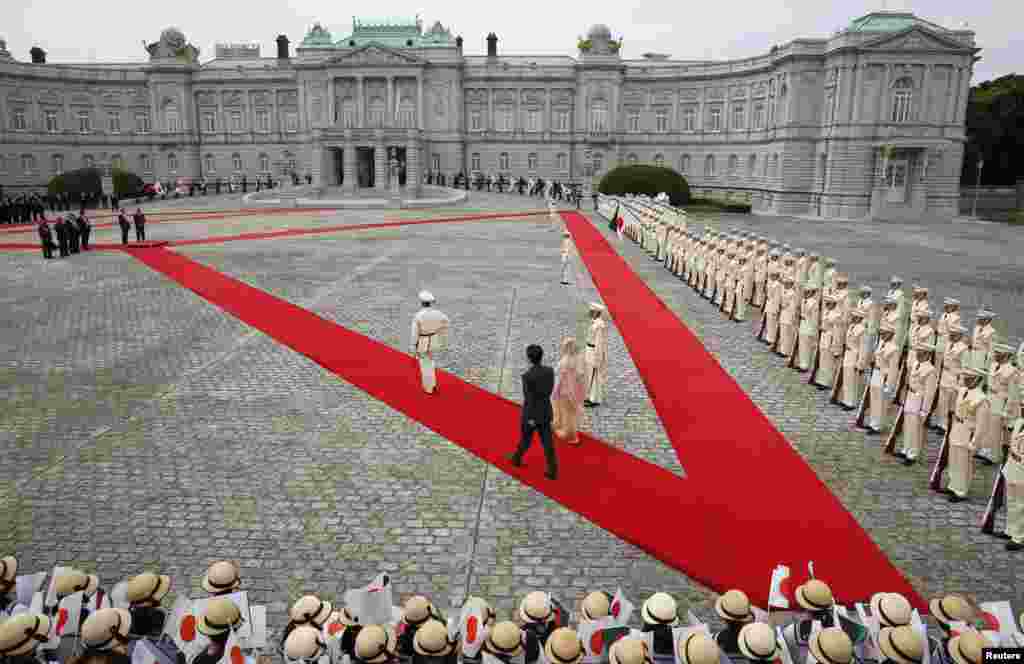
570 388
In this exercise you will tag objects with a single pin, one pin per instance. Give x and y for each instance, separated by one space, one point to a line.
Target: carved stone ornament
371 55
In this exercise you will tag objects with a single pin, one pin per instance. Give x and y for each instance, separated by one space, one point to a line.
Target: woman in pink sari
567 398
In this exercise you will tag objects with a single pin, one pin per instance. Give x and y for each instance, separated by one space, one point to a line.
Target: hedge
86 181
645 179
724 206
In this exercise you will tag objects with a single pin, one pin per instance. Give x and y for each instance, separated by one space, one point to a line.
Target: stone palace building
867 122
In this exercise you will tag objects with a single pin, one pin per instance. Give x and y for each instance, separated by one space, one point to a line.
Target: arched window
562 161
531 161
734 164
775 165
348 113
145 163
264 163
376 112
599 116
407 114
709 166
631 158
88 161
684 164
503 161
236 162
752 165
598 162
902 99
28 163
209 164
474 162
659 159
58 164
172 162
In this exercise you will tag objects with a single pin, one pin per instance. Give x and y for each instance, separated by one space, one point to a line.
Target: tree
645 179
85 181
995 132
126 183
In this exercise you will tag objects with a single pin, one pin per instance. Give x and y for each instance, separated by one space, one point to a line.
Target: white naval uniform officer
566 256
596 357
429 335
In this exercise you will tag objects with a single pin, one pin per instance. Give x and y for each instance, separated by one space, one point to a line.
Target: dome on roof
600 31
173 37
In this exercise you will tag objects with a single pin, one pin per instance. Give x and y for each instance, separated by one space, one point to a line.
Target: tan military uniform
787 320
971 406
772 308
883 384
993 430
981 346
831 348
854 364
1013 471
952 364
922 383
947 320
809 328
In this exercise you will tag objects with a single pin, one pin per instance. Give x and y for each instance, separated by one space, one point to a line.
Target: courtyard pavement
145 428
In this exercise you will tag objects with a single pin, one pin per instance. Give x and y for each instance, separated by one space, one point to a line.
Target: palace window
599 118
562 121
262 121
734 165
474 162
631 158
348 114
292 163
633 122
715 120
764 166
209 122
661 121
114 122
264 163
737 117
236 121
533 121
83 122
531 161
775 165
142 123
58 164
903 96
51 122
435 162
562 161
659 160
684 164
28 163
406 115
503 161
291 122
689 119
759 115
752 165
210 164
598 162
117 162
88 161
146 163
236 162
709 166
377 112
476 121
172 122
172 163
19 120
505 119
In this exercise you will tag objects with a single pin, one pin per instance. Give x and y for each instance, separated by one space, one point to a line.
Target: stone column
348 164
390 102
413 177
380 159
951 95
303 110
963 92
360 103
420 111
881 109
332 103
317 163
518 125
489 125
858 93
548 121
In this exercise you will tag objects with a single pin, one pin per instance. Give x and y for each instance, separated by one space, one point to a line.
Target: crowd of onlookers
74 618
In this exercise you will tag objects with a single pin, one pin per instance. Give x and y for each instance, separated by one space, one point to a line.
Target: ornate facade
868 122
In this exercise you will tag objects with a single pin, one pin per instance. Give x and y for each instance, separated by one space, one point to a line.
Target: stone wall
995 203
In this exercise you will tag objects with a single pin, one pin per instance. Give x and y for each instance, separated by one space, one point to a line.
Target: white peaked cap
426 296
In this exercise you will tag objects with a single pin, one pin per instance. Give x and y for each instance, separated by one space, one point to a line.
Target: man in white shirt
429 335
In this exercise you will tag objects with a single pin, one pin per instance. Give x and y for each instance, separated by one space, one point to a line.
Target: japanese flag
233 651
599 635
333 628
997 617
473 629
69 614
780 596
181 627
621 608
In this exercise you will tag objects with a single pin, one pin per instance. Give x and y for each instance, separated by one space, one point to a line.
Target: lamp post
977 187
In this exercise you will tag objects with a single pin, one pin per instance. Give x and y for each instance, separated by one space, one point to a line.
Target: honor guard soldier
847 390
432 645
563 647
803 262
20 637
788 268
815 271
831 645
309 611
955 359
760 277
788 318
871 318
376 644
416 612
8 582
841 292
429 335
772 310
809 327
505 642
108 630
596 357
722 268
144 593
950 317
1002 378
982 339
305 643
729 283
828 278
659 616
734 609
815 597
922 383
749 274
971 409
829 350
1013 471
741 298
891 317
566 256
901 645
919 299
921 332
877 400
896 290
222 578
891 609
595 606
538 616
757 642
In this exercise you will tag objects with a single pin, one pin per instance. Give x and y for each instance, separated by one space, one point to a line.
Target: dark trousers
62 243
124 235
47 249
140 232
85 241
543 429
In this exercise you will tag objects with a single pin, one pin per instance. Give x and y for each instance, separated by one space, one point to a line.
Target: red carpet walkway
760 503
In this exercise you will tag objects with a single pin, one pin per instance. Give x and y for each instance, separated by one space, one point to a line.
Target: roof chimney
458 43
492 45
282 47
38 56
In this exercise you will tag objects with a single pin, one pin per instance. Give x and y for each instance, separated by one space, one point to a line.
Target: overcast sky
113 30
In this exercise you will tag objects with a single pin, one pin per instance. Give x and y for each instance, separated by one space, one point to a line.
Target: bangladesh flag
601 641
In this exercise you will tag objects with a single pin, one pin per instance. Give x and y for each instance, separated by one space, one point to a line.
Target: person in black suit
538 384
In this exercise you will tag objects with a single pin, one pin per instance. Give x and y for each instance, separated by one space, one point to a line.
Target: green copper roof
890 22
391 32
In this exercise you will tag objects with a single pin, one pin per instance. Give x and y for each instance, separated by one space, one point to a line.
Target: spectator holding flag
659 615
734 609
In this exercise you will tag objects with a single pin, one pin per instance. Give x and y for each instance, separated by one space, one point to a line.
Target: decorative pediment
915 39
375 54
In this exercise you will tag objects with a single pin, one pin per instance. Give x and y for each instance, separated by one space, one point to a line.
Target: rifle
817 360
837 382
763 329
997 498
796 342
935 483
897 430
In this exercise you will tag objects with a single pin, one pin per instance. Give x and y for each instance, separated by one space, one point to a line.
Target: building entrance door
365 167
896 179
338 155
400 156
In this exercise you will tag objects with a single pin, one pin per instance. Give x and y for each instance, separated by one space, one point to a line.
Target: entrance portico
904 172
358 160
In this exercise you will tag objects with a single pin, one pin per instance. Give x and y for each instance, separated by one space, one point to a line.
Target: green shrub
1017 217
724 206
126 183
85 181
644 179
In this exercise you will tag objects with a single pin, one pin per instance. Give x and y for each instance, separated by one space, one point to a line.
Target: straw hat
986 314
966 647
222 577
20 634
431 640
901 644
831 646
891 609
924 347
75 581
949 609
310 609
757 642
1003 349
504 639
304 642
659 609
840 278
8 571
536 608
595 606
950 302
628 650
147 588
594 306
858 313
734 606
106 628
697 648
564 647
417 610
219 616
375 644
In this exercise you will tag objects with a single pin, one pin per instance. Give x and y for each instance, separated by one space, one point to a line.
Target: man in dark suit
538 384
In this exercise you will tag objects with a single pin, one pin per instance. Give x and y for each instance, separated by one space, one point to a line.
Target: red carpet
760 503
601 483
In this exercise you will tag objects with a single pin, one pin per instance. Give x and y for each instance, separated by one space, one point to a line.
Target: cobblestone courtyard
145 428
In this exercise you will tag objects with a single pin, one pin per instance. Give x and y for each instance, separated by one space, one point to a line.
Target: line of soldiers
901 367
72 235
80 621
